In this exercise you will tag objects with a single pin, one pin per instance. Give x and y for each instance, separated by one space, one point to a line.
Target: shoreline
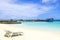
29 33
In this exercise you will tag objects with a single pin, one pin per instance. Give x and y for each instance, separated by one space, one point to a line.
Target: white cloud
50 1
15 11
43 1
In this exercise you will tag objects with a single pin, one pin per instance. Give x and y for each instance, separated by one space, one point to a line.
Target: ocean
44 25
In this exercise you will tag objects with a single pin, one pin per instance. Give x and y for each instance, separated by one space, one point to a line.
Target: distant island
40 20
9 22
21 20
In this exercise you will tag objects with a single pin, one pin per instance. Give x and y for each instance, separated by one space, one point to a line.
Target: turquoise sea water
48 25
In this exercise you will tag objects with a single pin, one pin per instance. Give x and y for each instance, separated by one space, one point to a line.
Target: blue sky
29 9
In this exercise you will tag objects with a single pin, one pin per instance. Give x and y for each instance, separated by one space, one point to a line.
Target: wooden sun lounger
13 34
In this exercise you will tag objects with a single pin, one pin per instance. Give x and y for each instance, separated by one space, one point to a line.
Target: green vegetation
10 22
19 21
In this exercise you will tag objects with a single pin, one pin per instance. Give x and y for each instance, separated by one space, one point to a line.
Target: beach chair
13 34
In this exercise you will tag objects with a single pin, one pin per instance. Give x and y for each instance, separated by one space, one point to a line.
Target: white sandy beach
29 33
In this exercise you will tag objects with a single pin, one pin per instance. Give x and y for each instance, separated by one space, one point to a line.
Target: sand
29 33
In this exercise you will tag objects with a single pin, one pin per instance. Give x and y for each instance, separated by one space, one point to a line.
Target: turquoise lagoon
44 25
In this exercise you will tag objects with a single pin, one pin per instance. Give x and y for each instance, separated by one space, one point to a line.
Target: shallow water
46 25
41 25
